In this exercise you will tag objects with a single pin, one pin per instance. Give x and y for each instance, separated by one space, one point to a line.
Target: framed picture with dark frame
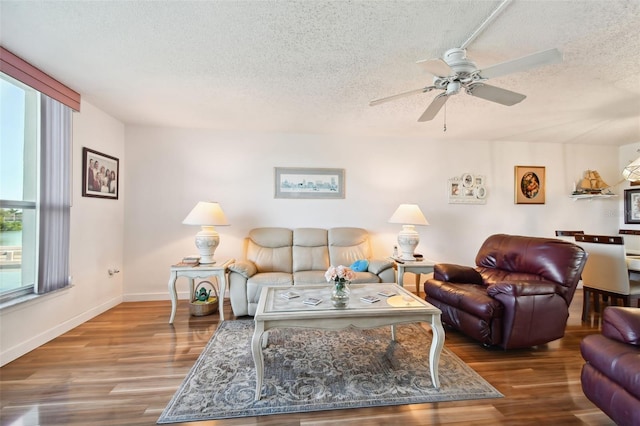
632 205
529 185
100 174
309 183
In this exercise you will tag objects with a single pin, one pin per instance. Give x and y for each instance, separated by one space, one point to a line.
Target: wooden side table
422 267
218 270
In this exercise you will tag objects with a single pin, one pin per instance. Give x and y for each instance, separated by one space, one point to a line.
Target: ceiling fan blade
401 95
546 57
436 67
495 94
433 109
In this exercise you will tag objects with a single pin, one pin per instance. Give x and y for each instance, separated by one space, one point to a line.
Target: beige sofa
281 256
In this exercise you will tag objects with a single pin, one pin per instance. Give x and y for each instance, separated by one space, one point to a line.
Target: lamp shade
408 214
632 171
207 213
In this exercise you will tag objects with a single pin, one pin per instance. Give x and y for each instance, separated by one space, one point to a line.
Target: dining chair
631 240
560 233
606 273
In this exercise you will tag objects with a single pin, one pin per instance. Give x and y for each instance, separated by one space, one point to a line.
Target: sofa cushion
257 282
309 277
310 251
270 249
346 245
618 361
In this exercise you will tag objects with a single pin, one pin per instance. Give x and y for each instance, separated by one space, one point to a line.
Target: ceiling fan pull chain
445 118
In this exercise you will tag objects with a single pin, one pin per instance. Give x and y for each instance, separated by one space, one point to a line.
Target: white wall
169 170
96 245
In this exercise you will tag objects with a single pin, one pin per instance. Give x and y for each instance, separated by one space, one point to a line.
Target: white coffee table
274 311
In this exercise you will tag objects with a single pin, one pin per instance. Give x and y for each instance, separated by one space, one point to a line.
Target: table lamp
408 215
207 214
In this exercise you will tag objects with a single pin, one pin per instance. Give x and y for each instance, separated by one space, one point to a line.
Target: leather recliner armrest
456 274
522 288
245 268
622 324
378 265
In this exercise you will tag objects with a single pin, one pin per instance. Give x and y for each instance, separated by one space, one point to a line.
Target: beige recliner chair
281 256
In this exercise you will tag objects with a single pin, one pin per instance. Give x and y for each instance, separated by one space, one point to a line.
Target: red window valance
26 73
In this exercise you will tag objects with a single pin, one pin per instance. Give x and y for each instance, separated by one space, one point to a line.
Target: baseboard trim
152 297
13 353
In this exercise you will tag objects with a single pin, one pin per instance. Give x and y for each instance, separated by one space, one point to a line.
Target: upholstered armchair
611 376
518 294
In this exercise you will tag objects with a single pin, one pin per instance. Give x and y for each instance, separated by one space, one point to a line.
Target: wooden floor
122 368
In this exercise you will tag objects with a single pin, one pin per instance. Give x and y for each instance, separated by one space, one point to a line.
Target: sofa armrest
522 288
245 268
456 274
378 265
622 324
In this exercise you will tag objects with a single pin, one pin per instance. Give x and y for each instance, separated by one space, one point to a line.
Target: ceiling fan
455 72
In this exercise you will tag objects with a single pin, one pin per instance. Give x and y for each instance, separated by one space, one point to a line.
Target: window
35 172
35 191
19 118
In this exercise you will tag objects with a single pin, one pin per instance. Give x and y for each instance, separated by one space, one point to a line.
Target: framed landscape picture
529 185
632 206
309 183
100 174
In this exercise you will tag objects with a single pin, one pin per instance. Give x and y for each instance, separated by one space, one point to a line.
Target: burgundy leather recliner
517 296
611 376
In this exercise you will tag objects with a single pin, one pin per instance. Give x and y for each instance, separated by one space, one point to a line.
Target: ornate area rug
314 370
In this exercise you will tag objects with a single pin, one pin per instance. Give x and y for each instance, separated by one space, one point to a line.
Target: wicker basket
199 308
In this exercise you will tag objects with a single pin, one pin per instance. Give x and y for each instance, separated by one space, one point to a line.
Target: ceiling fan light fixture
453 88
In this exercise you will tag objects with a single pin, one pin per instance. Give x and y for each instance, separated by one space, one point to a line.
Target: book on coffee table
290 295
312 301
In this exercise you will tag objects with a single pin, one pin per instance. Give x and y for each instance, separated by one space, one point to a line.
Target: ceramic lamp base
207 240
408 240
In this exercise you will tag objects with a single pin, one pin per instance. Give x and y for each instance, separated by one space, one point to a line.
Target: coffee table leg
256 350
436 348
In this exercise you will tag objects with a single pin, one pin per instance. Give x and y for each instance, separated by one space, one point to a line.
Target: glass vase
340 294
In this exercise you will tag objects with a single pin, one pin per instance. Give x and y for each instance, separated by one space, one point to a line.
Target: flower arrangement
340 274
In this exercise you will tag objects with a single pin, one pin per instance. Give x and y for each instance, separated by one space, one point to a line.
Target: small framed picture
529 185
100 174
467 180
302 182
632 206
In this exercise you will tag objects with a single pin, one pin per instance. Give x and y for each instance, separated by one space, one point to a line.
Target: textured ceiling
313 66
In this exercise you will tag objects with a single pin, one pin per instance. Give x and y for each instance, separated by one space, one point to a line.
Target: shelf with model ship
591 187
